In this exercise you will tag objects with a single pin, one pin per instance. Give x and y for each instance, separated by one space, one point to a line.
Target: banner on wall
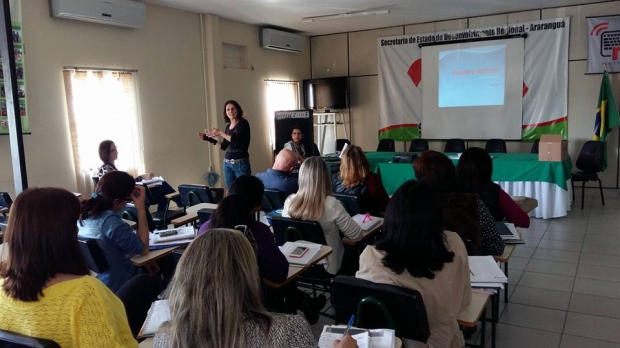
603 44
545 77
18 44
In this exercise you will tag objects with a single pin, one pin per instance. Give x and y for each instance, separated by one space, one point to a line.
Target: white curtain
281 95
102 105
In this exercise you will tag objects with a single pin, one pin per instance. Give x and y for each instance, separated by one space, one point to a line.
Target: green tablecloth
506 167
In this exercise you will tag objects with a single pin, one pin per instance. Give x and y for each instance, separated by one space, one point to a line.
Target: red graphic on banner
598 28
415 72
525 89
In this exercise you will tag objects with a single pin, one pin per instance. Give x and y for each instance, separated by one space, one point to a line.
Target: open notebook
158 314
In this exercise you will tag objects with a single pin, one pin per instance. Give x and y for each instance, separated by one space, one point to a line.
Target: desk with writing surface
367 234
191 214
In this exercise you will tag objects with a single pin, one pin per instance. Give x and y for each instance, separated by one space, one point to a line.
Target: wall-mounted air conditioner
281 40
125 13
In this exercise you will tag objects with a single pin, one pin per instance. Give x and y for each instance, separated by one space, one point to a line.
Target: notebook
376 338
157 315
484 269
173 234
509 233
367 222
308 256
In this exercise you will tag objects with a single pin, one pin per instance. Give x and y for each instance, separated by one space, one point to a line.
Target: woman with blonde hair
356 178
215 300
314 202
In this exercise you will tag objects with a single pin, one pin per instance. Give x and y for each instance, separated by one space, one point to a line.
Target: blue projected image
472 77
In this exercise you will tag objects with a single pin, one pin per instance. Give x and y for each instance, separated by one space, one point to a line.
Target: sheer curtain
102 105
281 95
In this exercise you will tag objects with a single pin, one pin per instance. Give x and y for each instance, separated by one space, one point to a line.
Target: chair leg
572 185
583 192
600 187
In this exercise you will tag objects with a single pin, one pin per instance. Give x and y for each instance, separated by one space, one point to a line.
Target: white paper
182 233
158 314
484 269
156 180
334 332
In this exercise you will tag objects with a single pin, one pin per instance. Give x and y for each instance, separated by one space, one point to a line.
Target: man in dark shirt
279 176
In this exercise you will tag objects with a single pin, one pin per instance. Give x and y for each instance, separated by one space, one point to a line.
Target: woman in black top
236 141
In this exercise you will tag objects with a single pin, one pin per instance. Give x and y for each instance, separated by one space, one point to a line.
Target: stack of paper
379 338
484 272
156 180
367 222
172 237
508 232
288 247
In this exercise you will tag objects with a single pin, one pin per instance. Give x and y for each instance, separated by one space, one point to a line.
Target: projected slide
472 76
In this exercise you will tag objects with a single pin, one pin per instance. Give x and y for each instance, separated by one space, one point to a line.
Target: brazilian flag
606 114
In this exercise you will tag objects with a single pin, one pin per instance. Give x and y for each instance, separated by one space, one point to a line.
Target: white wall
360 64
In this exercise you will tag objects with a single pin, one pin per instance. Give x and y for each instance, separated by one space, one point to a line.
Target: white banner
603 44
545 77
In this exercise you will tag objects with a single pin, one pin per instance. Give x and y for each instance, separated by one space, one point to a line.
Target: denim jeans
233 171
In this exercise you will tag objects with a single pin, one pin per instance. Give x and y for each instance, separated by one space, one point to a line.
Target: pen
472 273
349 325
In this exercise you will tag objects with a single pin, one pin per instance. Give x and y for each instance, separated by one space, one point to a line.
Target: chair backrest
590 158
351 203
290 230
204 215
93 254
496 146
386 145
5 200
131 213
316 150
418 145
454 145
340 143
272 200
9 339
380 306
535 145
195 194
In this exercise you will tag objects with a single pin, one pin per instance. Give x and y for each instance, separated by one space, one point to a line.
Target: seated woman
215 300
473 175
296 143
238 209
46 291
108 153
100 220
356 178
314 202
437 170
416 253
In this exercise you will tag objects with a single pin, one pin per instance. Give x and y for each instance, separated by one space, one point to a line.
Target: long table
519 174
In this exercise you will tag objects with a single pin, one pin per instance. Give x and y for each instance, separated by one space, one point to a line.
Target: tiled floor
565 282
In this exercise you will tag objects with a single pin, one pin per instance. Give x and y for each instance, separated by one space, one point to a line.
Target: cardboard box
552 148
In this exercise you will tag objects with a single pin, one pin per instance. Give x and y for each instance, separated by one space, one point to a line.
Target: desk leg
494 316
483 322
506 288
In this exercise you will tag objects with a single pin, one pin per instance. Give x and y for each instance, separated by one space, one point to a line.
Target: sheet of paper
331 333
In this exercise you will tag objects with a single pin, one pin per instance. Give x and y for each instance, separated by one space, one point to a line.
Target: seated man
279 176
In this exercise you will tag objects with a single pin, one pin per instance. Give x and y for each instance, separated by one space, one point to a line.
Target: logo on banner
603 44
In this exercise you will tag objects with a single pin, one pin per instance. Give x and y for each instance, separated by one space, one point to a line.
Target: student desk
191 214
367 234
503 258
475 312
153 255
295 270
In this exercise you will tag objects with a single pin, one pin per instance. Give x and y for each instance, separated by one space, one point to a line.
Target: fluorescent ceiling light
344 15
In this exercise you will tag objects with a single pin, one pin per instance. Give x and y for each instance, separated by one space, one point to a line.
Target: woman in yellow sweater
45 289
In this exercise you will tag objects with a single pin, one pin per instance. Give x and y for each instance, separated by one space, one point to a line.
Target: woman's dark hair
237 106
413 235
112 185
460 215
474 170
104 151
298 128
42 241
250 188
233 210
437 170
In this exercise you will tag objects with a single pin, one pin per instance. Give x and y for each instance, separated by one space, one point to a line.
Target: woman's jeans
234 169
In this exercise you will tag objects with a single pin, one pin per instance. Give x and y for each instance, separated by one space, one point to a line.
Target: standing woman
236 141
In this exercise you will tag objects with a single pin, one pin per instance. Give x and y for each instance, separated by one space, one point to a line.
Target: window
103 105
281 95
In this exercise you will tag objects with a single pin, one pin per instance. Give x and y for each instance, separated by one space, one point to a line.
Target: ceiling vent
282 40
124 13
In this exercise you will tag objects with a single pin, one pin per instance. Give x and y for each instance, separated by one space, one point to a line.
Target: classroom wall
354 54
174 99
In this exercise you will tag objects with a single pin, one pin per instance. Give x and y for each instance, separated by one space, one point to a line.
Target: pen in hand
349 325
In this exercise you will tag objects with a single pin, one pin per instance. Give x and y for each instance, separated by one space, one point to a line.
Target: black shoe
319 302
468 332
309 310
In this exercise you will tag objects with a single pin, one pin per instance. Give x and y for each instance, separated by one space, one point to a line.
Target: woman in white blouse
314 202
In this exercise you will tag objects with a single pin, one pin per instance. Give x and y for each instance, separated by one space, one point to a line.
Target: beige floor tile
530 233
560 245
600 260
565 236
509 336
533 317
596 287
514 276
595 305
524 251
541 298
552 267
599 272
602 249
556 255
547 281
602 239
590 326
569 341
517 263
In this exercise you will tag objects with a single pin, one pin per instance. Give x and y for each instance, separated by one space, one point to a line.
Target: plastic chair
535 145
5 201
272 200
495 146
386 145
340 144
131 213
351 203
418 145
195 194
380 306
454 145
590 163
93 254
162 218
11 339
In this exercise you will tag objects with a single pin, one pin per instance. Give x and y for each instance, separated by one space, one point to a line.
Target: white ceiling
287 14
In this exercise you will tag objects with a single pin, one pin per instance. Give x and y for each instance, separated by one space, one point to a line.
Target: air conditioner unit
125 13
281 40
